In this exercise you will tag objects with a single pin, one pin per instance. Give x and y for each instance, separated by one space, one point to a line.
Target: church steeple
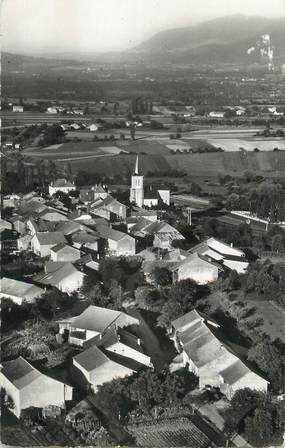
137 187
137 165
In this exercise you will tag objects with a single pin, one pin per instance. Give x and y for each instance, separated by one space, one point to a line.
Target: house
108 208
124 343
197 268
94 367
18 291
18 223
78 112
216 114
51 110
93 127
225 254
92 193
163 233
119 243
210 359
53 215
86 240
28 387
18 108
75 126
8 241
63 252
24 243
11 200
139 213
62 185
38 225
42 242
5 225
61 275
94 323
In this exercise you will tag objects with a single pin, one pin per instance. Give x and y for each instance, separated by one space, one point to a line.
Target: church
146 197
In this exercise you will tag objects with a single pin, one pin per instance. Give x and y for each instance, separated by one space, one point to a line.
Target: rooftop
50 238
19 372
62 183
18 288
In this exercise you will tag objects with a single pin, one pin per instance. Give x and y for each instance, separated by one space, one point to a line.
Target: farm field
235 144
74 151
181 433
200 166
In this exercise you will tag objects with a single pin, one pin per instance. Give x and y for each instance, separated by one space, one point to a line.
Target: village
104 293
142 227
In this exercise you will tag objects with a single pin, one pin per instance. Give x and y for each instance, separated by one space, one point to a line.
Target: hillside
196 165
220 40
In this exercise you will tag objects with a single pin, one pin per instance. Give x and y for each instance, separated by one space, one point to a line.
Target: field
235 144
173 433
207 166
75 151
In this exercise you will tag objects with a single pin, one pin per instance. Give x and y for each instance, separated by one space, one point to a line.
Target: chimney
139 341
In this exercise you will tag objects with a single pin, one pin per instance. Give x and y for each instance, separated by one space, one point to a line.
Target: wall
129 352
42 392
13 392
201 273
71 283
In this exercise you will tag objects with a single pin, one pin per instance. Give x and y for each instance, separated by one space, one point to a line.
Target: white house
216 114
19 291
63 252
197 268
94 323
51 110
62 185
18 108
42 242
94 367
61 275
227 255
210 359
93 127
119 243
28 387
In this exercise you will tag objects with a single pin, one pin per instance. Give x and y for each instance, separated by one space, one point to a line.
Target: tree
161 276
269 359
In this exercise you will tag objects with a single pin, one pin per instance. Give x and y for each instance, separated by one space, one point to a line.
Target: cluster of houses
71 245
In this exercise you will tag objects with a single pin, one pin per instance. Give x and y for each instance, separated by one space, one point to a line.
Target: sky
43 26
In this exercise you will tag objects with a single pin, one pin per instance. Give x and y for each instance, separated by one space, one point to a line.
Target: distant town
143 253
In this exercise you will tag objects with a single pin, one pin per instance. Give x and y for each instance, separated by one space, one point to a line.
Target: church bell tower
137 187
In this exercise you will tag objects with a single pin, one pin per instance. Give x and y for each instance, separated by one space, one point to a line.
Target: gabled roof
186 319
62 183
62 246
83 237
19 372
50 238
56 272
195 259
111 234
95 318
98 319
18 288
206 351
91 358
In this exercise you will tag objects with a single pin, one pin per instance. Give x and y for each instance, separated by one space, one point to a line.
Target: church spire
137 165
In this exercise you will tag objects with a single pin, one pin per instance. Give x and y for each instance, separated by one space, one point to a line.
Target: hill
269 164
221 40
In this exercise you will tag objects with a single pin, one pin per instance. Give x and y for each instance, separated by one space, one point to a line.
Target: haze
43 26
